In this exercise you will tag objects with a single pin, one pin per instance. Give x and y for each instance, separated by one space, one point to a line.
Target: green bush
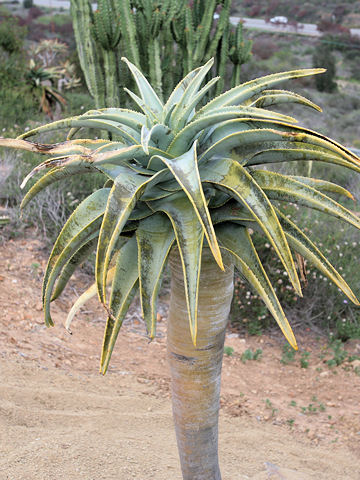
28 3
325 59
12 35
57 19
347 328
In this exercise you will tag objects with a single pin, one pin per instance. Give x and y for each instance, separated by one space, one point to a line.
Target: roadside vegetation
347 13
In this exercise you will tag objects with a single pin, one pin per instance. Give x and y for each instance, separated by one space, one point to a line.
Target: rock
311 435
355 363
324 374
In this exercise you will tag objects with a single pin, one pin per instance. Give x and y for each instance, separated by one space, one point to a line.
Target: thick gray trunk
196 371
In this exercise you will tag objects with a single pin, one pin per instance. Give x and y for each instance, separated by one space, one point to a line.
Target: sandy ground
59 419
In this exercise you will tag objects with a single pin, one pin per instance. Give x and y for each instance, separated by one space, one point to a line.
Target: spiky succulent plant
177 174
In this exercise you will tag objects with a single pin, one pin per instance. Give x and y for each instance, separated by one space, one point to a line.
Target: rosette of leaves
42 80
182 175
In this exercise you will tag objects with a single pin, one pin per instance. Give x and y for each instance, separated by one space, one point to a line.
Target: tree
180 185
325 58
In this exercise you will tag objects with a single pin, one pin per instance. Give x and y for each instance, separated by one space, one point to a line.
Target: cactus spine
165 38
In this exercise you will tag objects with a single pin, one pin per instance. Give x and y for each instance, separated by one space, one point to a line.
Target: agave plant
183 183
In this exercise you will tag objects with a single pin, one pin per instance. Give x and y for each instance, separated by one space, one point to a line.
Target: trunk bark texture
196 371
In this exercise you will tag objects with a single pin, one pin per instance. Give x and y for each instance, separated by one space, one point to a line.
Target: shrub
34 12
12 35
255 11
324 58
327 24
347 328
264 48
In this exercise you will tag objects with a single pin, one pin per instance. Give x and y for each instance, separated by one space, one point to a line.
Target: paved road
303 28
308 29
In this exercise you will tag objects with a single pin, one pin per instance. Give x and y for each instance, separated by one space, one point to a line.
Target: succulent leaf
246 91
155 237
80 228
127 189
283 187
276 97
237 241
124 286
82 254
189 237
148 94
185 170
235 180
54 175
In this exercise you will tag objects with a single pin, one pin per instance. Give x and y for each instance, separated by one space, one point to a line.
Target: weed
288 355
270 406
304 360
313 408
250 355
290 422
339 354
229 351
34 267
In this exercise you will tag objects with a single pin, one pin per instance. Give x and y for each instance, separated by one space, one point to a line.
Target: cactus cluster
166 39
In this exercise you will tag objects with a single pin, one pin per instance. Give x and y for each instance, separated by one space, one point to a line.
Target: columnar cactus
107 33
239 53
166 39
89 53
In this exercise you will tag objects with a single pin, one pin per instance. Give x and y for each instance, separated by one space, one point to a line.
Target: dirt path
59 419
56 426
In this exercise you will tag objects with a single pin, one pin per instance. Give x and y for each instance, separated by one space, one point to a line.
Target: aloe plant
180 183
